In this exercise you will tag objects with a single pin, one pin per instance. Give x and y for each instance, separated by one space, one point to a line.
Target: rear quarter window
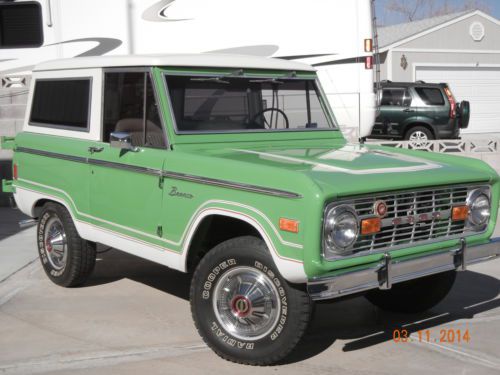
61 103
430 96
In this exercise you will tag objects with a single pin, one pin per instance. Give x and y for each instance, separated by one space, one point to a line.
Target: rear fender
420 123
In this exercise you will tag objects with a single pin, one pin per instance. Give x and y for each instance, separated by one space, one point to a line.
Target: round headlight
341 228
479 209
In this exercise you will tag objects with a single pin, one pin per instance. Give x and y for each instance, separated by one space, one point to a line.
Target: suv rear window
62 103
430 96
21 25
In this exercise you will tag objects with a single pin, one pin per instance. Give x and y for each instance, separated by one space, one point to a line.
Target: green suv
233 169
419 112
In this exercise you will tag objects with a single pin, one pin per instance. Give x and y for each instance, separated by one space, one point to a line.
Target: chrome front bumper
391 271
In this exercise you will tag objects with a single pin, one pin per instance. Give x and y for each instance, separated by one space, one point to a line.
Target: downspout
376 52
130 26
49 14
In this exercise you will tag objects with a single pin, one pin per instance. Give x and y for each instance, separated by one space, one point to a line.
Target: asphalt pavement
133 317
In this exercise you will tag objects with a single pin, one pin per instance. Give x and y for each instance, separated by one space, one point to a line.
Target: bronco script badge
174 192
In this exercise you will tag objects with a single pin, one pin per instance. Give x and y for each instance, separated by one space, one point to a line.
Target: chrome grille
412 217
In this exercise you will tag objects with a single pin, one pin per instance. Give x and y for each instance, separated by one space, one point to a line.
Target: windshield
222 104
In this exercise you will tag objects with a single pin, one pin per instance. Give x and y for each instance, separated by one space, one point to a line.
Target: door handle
408 110
93 149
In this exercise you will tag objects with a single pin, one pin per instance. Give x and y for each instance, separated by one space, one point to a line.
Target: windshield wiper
267 80
211 79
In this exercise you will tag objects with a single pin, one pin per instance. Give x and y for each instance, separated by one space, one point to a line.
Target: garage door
480 86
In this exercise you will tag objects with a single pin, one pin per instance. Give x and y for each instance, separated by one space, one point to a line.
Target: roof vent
476 31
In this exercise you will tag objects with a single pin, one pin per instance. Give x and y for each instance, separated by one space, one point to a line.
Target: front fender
290 268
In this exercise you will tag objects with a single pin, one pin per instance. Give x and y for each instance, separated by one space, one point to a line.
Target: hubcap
55 243
419 138
246 303
241 306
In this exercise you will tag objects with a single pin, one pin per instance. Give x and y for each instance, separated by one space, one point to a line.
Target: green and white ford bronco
232 168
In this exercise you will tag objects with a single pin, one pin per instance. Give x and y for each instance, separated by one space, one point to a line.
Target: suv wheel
414 296
419 136
68 260
243 308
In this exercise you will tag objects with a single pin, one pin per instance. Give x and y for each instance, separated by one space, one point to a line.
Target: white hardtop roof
205 60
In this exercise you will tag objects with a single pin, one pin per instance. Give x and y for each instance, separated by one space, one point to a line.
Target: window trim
64 127
406 95
317 86
149 71
41 29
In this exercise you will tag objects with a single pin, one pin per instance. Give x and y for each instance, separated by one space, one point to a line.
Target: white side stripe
291 269
191 221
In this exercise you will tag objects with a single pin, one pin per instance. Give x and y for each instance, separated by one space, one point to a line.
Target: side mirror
122 140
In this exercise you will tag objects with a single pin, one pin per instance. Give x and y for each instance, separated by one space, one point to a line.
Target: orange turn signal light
289 225
459 213
370 226
368 45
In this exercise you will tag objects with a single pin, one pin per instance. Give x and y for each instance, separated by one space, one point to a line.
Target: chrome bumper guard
391 271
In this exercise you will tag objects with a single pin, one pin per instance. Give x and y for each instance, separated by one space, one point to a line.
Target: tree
413 10
409 9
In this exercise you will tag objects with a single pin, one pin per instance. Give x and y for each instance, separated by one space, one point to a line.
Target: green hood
340 169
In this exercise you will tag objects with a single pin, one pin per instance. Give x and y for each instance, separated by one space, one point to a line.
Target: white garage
479 85
461 49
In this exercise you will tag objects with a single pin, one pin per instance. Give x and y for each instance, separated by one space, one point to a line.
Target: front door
125 192
395 110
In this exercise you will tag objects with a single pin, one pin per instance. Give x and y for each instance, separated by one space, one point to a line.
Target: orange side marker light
459 213
289 225
371 226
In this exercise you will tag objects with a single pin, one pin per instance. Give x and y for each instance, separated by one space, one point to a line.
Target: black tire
79 261
464 114
416 129
281 337
414 296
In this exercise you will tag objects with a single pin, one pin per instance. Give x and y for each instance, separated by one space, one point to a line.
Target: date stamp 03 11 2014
444 335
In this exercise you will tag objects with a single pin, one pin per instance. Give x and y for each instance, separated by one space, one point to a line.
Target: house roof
205 60
393 34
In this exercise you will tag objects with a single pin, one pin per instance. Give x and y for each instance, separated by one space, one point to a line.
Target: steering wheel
260 113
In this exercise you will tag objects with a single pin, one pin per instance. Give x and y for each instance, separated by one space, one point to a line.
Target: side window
21 25
130 107
393 97
61 103
430 96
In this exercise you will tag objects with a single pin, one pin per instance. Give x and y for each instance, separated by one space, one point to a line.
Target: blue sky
391 18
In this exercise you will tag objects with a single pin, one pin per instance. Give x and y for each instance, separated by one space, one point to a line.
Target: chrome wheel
55 243
246 303
419 138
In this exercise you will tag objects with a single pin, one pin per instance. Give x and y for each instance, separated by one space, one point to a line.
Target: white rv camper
334 36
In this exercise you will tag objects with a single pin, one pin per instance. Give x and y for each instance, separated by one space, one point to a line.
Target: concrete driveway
134 317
